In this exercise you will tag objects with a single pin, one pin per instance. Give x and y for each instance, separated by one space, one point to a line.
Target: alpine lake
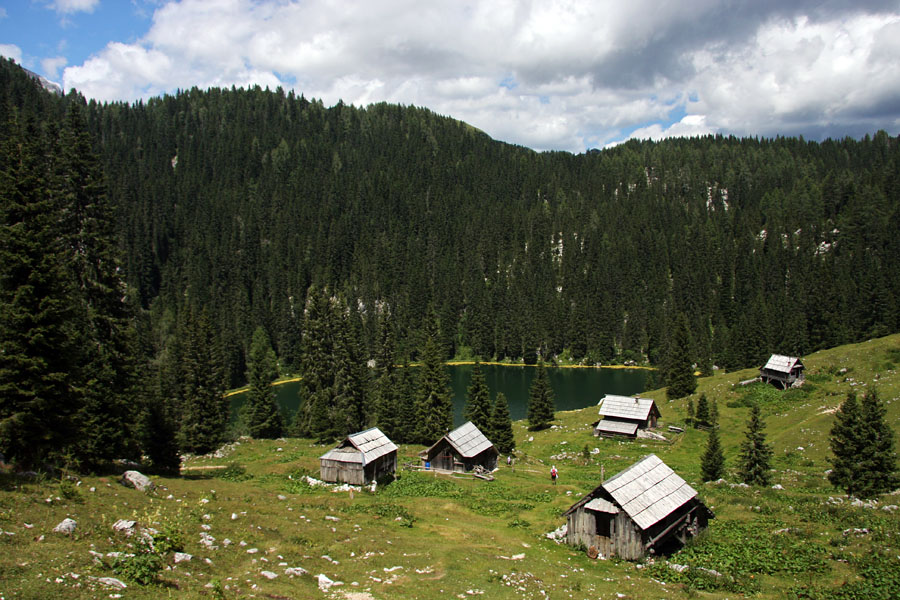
573 388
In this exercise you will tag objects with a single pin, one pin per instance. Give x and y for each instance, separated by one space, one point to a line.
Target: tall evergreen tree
478 401
434 405
406 430
41 344
712 463
702 416
314 416
864 462
690 412
204 410
540 400
386 398
756 454
107 378
261 414
846 445
680 379
350 412
501 426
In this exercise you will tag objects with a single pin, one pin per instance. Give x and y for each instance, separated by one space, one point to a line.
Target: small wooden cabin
462 450
639 510
623 415
360 459
783 371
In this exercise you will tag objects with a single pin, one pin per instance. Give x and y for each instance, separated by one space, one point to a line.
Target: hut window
604 524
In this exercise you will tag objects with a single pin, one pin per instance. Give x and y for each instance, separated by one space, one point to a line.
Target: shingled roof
363 447
648 491
624 407
621 427
467 440
781 364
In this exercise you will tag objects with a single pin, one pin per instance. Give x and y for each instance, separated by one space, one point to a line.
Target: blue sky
548 74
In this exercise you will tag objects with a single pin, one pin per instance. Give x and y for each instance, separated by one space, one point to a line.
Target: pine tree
680 377
350 412
501 426
314 417
406 430
41 345
434 406
540 400
702 416
204 410
690 411
714 413
846 445
878 463
386 397
261 414
478 402
864 462
756 454
712 463
107 376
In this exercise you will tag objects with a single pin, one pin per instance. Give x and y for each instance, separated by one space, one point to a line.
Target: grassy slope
464 533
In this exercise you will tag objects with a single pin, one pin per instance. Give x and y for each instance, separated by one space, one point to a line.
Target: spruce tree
540 400
690 411
204 410
714 413
701 418
680 379
478 402
386 391
261 414
501 426
41 343
878 463
712 463
756 454
864 462
107 376
314 417
406 429
350 412
434 405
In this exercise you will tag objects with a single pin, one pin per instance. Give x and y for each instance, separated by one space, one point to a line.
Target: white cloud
68 7
556 74
11 51
52 65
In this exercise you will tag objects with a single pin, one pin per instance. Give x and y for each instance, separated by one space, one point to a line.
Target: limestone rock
137 480
66 526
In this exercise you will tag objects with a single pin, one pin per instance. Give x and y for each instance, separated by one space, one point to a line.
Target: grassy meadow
250 515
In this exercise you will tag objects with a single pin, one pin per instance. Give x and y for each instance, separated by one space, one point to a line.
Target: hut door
446 461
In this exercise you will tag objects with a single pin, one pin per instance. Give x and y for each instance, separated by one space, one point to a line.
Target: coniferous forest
143 245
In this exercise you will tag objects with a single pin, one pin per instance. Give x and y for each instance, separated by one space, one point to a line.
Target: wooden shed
360 459
642 509
783 371
623 415
462 450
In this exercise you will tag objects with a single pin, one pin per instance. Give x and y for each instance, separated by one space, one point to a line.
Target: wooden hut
360 459
462 450
623 415
783 371
639 510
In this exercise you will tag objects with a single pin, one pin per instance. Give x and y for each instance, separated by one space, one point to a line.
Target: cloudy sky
548 74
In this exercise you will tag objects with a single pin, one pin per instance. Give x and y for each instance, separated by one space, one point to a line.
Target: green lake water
572 388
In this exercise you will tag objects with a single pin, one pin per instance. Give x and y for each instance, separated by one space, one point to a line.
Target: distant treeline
231 205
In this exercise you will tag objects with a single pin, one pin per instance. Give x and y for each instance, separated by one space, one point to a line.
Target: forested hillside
239 200
230 205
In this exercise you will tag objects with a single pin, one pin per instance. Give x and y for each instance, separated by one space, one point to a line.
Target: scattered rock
559 534
268 574
123 525
325 583
137 480
295 571
66 526
181 557
777 486
112 582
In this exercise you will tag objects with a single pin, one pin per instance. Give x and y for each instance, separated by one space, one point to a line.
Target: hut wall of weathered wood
782 371
462 450
360 459
639 510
